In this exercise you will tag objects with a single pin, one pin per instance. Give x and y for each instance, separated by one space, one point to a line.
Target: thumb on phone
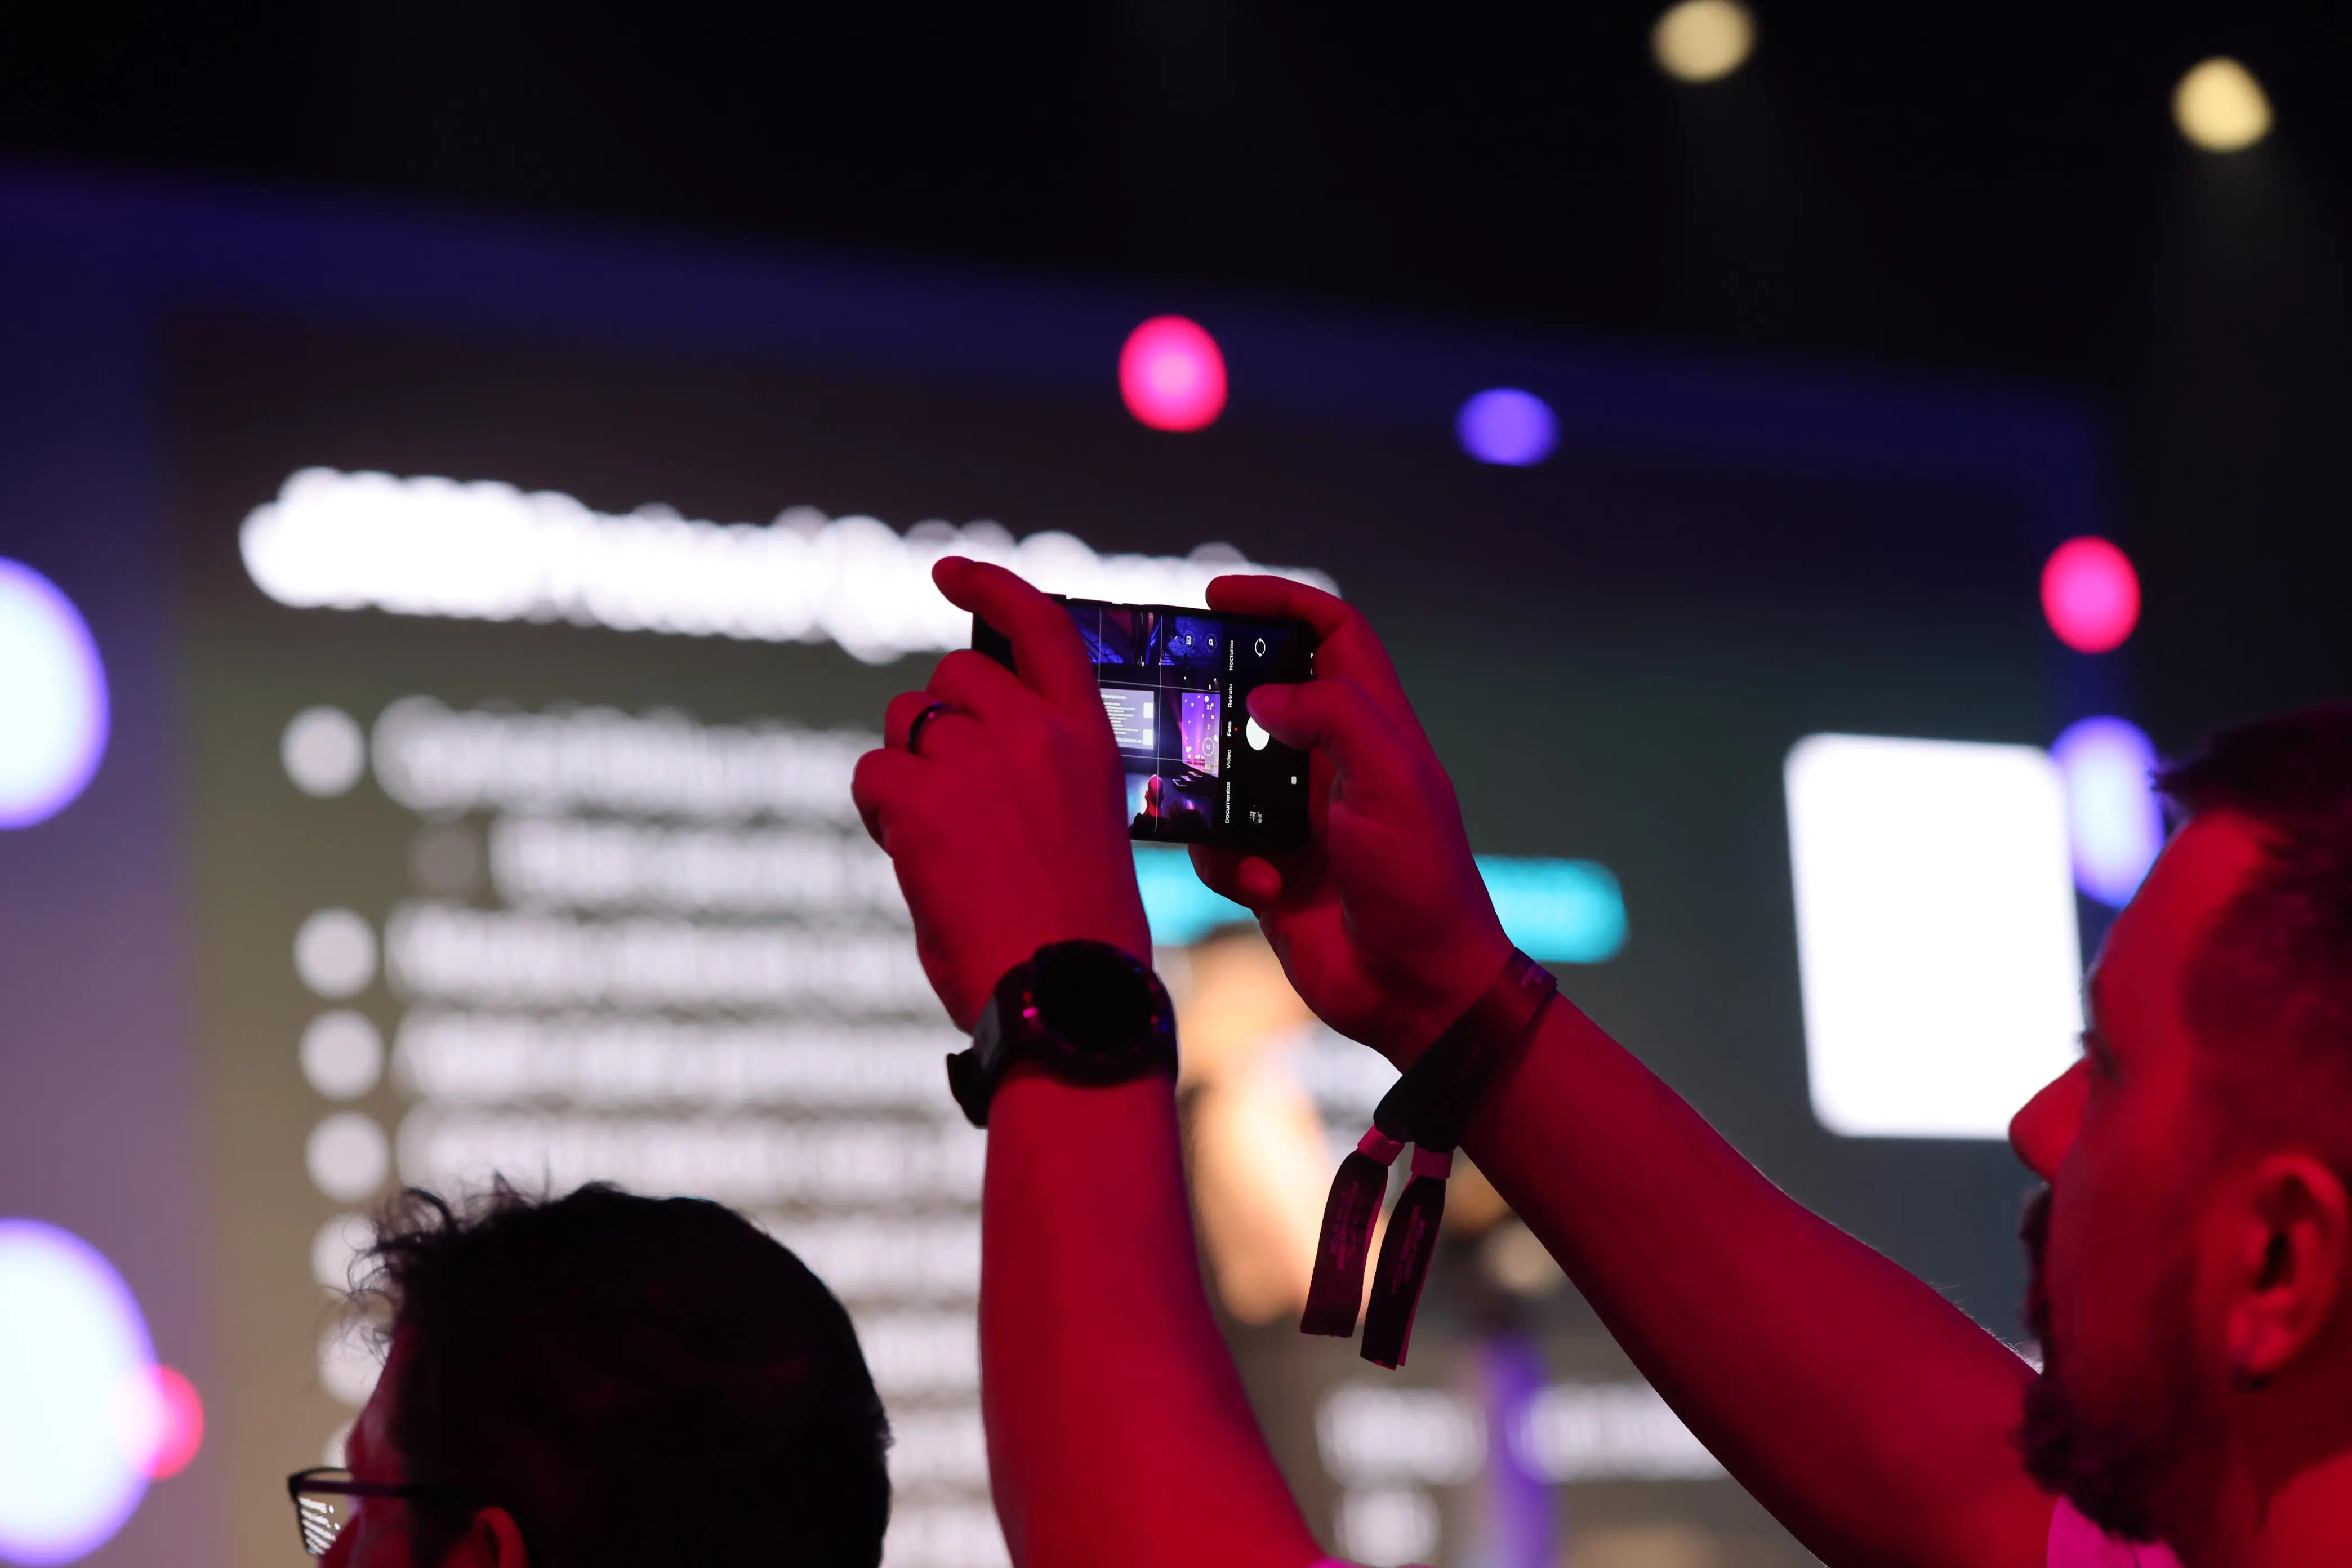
1334 716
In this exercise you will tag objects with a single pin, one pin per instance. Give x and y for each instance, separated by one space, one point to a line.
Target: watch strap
1012 1027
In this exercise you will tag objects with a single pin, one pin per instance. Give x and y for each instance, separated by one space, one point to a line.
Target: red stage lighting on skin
2091 595
1172 374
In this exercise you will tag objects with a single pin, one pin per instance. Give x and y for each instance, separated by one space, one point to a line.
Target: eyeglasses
327 1500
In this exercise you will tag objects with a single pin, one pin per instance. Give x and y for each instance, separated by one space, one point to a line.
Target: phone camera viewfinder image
1176 686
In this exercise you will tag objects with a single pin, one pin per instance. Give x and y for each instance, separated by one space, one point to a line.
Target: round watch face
1093 997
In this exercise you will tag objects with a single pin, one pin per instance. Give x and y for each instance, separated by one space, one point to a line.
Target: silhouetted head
2193 1253
604 1380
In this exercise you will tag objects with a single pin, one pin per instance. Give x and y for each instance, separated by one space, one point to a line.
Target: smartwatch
1085 1011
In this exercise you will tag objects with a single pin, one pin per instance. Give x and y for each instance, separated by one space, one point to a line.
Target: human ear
2291 1243
492 1541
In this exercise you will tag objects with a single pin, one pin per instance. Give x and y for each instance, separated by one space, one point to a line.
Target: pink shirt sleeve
2076 1542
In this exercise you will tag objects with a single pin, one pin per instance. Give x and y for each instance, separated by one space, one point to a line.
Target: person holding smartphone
2193 1251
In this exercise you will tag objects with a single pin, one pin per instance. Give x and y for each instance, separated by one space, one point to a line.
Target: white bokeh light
1374 1435
1387 1527
324 751
72 1338
53 702
1608 1432
342 1055
334 952
487 551
350 1361
336 1249
348 1156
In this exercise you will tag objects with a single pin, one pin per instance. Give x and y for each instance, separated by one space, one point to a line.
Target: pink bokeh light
179 1427
1172 374
2091 595
159 1420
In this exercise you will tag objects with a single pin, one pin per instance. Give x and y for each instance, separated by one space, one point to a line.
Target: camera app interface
1176 684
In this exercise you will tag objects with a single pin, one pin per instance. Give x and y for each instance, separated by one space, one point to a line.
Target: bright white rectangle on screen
1132 717
1936 932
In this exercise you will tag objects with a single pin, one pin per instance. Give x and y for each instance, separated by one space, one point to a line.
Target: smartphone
1176 684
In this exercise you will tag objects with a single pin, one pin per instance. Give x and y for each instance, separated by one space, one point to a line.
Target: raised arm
1868 1413
1118 1433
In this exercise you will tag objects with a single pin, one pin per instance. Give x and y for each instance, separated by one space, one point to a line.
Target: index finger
1345 641
1047 653
1263 593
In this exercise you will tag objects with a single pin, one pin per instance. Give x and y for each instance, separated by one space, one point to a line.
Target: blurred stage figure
1260 1165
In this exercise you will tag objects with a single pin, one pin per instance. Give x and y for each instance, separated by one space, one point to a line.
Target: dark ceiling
1990 191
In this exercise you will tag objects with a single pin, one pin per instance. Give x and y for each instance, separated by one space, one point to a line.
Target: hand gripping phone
1176 684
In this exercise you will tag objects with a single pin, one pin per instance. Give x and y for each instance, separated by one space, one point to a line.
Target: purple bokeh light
2113 819
53 707
1506 426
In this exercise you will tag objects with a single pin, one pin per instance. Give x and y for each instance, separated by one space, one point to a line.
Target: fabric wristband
1428 1107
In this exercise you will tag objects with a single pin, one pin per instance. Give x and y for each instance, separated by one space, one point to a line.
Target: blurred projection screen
1936 932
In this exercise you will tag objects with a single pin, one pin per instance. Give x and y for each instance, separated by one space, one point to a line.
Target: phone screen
1176 685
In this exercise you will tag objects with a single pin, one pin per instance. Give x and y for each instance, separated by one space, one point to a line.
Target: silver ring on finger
922 721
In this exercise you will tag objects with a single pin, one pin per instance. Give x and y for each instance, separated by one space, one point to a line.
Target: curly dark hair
638 1381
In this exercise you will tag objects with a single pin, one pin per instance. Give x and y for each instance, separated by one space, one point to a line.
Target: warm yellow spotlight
1703 40
2220 106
